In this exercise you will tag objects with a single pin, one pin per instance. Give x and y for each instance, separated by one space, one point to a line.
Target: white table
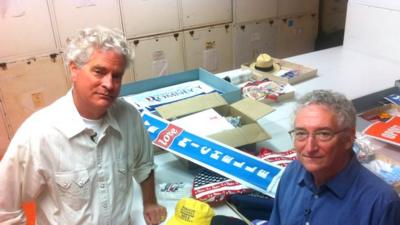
351 73
170 169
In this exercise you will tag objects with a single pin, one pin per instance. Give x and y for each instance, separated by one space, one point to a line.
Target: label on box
222 159
150 100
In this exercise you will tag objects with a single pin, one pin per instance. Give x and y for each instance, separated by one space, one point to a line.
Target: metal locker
206 12
296 35
297 7
26 29
158 55
251 39
4 134
254 10
29 86
209 48
149 17
72 16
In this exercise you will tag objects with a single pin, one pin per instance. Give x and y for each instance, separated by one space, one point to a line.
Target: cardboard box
229 92
249 132
378 113
303 72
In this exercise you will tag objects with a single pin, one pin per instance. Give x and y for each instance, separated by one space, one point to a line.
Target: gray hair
80 48
337 102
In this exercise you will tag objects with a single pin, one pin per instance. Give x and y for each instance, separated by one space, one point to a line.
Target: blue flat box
230 92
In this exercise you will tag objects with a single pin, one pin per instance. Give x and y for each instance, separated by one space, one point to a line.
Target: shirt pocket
73 188
124 175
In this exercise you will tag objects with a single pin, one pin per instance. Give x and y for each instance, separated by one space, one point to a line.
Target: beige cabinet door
28 87
251 39
26 29
297 7
71 16
296 35
158 55
4 134
197 13
209 48
142 18
254 10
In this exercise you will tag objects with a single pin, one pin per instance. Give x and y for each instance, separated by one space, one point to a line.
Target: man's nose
107 81
311 143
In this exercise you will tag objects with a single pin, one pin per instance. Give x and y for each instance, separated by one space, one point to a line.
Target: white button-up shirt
74 180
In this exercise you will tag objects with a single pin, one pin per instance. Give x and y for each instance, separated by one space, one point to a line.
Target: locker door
297 7
25 29
205 12
4 139
296 35
149 17
254 38
27 88
252 10
75 15
209 48
157 56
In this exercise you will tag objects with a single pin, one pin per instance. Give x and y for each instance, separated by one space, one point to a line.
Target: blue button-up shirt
355 196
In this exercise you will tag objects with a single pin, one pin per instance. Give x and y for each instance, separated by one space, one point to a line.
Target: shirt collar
72 123
339 185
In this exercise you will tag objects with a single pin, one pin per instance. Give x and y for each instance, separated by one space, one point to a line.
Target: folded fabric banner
220 158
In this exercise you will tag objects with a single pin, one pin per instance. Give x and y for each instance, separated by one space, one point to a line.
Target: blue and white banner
220 158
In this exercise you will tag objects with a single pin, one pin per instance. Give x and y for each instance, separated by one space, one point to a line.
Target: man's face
322 158
97 84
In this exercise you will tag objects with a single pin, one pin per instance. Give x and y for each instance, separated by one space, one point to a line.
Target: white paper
159 66
210 59
204 123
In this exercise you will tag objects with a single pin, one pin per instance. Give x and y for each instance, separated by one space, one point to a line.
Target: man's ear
73 68
351 138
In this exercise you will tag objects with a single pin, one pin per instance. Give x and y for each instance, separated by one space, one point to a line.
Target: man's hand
154 214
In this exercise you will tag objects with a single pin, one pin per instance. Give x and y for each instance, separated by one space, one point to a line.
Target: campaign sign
220 158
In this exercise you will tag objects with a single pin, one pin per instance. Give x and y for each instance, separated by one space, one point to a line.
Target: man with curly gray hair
327 185
76 158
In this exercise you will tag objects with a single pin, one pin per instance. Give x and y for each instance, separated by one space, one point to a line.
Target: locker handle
271 22
136 42
176 35
191 33
243 27
3 66
53 57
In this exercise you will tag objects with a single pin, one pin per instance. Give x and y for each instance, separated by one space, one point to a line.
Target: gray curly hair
80 48
337 102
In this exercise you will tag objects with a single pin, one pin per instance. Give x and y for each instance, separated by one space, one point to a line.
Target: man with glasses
327 185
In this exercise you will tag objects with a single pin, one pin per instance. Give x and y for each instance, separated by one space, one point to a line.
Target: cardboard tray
229 92
304 72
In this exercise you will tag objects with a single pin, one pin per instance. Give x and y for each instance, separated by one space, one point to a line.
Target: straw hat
189 211
265 63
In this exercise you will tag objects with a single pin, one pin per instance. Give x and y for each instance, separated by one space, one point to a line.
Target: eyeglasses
320 135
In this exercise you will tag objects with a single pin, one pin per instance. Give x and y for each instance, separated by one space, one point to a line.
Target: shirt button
102 185
316 196
105 205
